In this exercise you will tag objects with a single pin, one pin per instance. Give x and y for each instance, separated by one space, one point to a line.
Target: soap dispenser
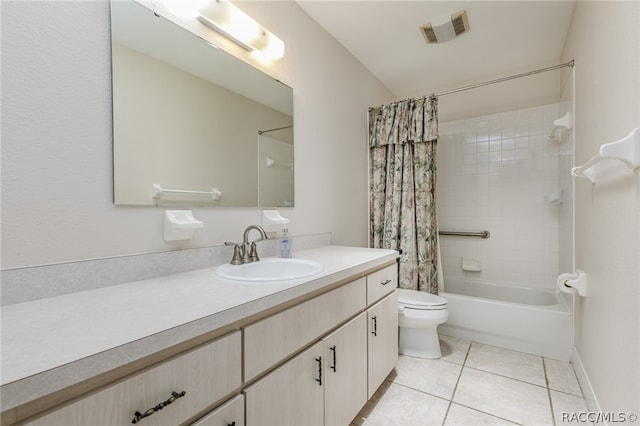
284 244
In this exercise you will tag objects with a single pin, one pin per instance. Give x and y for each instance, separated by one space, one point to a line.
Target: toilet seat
420 300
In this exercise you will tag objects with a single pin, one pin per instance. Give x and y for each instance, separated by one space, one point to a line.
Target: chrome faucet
246 252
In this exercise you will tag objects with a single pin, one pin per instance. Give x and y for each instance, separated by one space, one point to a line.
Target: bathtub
535 321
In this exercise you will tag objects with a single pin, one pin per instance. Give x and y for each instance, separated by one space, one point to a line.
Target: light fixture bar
219 29
233 23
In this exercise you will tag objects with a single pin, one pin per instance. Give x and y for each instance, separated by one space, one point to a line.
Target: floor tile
503 397
561 377
432 376
566 407
516 365
399 405
464 416
454 349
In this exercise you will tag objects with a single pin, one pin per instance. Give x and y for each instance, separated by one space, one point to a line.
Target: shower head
445 29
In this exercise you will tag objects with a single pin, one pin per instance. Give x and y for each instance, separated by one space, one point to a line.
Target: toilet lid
419 299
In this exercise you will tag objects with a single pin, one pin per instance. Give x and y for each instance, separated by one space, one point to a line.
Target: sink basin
270 270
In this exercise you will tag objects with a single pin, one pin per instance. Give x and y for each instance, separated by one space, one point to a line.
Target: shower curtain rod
273 130
571 63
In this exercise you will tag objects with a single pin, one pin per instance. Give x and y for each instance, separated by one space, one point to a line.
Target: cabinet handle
174 395
319 379
385 282
375 326
333 349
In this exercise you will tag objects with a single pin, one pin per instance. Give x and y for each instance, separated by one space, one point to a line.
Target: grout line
455 388
575 375
420 390
546 378
566 392
509 377
488 414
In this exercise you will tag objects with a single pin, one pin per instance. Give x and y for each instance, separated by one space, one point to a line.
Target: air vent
460 22
427 32
445 29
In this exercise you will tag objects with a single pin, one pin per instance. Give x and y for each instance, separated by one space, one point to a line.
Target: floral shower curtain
402 144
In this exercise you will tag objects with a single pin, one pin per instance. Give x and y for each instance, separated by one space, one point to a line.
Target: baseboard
585 383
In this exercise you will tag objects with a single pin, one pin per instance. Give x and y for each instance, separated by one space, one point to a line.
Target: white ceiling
505 37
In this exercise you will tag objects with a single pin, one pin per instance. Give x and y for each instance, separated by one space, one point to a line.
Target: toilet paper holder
571 283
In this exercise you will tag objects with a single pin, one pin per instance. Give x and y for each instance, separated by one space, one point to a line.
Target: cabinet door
293 394
205 375
345 369
383 340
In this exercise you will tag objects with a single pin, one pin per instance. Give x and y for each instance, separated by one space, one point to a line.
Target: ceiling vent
445 29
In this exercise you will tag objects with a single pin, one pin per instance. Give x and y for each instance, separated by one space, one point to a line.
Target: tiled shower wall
493 174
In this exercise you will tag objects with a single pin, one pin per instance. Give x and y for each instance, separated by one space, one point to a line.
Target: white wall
56 137
525 92
604 39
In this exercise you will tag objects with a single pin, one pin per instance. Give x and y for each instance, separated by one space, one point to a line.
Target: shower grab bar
481 234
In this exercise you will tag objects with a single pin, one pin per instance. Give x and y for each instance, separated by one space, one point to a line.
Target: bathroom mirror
201 125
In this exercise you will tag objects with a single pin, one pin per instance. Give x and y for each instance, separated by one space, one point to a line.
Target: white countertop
53 343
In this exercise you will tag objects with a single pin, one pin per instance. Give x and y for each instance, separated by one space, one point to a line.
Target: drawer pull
385 282
333 349
139 416
375 326
319 379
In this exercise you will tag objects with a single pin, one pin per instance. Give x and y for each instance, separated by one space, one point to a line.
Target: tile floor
475 384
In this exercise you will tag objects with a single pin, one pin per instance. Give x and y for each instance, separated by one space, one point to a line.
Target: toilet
419 315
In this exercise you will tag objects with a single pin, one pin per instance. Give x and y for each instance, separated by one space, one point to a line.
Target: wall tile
498 169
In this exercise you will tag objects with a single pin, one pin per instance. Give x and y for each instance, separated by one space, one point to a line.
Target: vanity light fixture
236 25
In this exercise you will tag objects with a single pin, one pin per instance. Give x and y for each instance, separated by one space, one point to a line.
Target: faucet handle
253 252
238 250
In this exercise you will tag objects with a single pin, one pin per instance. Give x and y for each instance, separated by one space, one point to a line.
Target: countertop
53 343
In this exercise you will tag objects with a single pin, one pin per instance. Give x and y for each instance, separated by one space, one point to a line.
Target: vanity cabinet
330 381
183 386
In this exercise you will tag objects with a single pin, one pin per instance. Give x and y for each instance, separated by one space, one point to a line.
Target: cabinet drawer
206 375
269 341
381 283
230 413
